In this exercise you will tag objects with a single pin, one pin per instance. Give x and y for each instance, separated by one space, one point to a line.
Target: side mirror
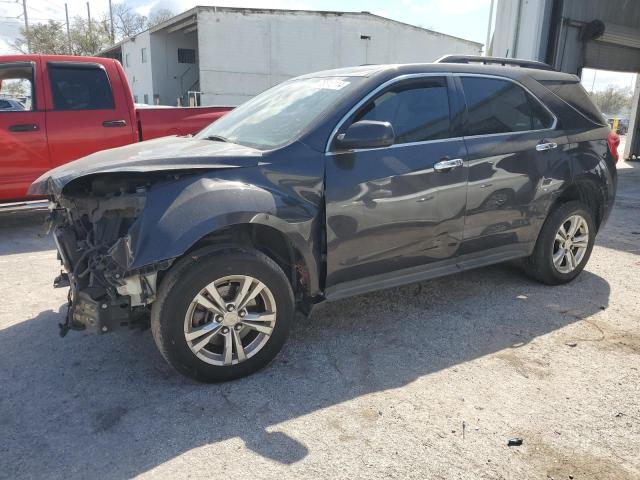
366 134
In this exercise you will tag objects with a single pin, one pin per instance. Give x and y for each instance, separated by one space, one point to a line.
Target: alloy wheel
570 244
230 320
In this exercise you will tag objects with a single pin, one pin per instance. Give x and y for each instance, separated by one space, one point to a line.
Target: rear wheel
563 246
222 315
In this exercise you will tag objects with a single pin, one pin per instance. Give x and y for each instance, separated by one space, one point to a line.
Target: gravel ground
424 381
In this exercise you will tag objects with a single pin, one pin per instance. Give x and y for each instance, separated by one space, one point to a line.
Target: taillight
613 139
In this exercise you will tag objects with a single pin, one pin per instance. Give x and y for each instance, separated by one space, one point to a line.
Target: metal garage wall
607 56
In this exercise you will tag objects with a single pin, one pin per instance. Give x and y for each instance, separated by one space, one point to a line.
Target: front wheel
563 246
222 315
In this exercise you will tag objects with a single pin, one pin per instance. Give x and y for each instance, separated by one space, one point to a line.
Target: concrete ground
424 381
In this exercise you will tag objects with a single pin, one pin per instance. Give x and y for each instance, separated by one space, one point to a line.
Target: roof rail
494 61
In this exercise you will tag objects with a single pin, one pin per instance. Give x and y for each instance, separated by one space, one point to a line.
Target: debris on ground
570 344
514 442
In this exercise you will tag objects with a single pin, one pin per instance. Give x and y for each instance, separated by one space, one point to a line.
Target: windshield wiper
218 138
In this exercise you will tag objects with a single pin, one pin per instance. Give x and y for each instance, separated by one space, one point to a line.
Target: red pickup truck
55 109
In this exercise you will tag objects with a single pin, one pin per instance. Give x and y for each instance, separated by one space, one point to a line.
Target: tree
159 16
127 22
51 37
87 38
47 37
613 99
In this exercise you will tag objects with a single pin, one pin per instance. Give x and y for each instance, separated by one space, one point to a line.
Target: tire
540 265
177 313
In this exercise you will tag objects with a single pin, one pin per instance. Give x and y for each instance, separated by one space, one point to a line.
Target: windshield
278 116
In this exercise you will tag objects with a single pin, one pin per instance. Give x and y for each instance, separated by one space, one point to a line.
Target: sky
594 80
462 18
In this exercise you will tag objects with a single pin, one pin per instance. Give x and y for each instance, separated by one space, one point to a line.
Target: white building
232 54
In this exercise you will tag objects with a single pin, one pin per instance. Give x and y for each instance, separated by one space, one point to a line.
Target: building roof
192 12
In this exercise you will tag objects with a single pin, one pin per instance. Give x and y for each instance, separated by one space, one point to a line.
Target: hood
162 154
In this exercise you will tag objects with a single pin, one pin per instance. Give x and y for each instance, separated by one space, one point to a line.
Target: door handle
543 147
24 127
447 165
114 123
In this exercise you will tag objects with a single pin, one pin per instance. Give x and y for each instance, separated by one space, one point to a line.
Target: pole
486 47
113 37
26 25
89 15
66 14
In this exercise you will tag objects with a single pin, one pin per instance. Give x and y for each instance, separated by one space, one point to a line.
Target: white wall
518 37
166 69
139 74
243 54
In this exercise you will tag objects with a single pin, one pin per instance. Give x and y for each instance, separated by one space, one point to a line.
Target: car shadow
23 232
110 406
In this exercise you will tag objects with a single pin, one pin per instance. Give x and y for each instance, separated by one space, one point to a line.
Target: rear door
515 164
23 137
87 110
388 208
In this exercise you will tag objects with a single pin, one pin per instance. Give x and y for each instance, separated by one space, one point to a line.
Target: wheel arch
271 241
587 192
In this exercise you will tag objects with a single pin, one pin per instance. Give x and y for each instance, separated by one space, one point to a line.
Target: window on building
501 106
126 60
135 99
143 53
146 99
186 55
417 109
80 87
16 87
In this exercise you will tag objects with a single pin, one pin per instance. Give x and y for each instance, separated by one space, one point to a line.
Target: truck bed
161 122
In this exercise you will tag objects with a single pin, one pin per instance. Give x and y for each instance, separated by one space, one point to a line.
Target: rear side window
574 94
501 106
80 87
16 87
418 110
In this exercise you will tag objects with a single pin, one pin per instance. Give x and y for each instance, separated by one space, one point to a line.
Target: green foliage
613 100
47 37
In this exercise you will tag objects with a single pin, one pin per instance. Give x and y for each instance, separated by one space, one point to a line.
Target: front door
388 208
23 137
515 164
87 111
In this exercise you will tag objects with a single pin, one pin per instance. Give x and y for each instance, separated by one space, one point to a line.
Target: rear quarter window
501 106
573 93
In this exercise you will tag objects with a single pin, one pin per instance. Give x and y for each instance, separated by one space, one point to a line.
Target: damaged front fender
179 213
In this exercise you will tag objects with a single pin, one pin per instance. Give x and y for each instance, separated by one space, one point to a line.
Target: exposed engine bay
91 225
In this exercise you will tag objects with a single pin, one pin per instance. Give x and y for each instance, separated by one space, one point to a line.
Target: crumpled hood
162 154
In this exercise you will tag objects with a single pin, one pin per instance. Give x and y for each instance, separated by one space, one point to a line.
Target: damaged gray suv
327 186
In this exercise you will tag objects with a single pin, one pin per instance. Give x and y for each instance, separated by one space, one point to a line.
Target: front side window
418 110
16 87
501 106
80 87
281 114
